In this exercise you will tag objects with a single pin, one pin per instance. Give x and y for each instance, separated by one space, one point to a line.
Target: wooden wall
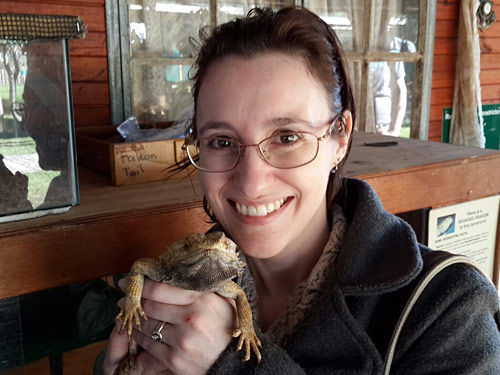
88 57
445 53
90 73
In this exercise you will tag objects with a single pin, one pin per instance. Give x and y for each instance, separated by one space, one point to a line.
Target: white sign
468 229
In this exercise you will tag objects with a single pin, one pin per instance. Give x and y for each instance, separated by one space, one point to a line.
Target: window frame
120 62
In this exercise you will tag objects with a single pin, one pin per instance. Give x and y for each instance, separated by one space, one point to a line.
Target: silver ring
157 336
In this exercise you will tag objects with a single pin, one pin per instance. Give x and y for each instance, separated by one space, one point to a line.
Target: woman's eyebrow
283 121
272 123
215 125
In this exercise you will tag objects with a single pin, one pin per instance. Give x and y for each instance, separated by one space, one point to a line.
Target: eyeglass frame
260 151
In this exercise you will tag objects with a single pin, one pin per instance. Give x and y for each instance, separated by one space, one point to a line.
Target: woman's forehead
269 87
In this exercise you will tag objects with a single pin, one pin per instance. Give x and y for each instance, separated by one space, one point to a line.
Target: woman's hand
197 330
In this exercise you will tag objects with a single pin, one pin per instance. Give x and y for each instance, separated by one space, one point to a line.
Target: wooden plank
490 101
490 76
61 257
435 129
87 93
444 64
490 45
446 28
436 113
92 115
435 139
406 155
490 92
444 46
99 199
446 10
442 96
437 184
490 61
442 80
89 69
94 44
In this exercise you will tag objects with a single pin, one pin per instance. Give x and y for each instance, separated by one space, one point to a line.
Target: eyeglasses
285 150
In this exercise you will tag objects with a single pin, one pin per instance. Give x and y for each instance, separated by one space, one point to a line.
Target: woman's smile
260 209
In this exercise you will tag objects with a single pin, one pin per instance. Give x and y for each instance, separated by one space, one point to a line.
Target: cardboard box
98 149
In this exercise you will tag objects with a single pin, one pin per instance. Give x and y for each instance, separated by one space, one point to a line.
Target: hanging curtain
466 126
379 39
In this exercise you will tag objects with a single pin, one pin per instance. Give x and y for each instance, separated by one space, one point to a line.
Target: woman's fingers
116 351
196 330
162 292
186 357
166 293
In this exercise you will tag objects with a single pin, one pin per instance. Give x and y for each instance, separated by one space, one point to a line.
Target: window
390 57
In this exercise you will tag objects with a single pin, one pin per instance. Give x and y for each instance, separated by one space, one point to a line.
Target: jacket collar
380 252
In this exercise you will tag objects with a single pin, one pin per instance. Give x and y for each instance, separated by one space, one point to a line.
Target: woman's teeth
260 210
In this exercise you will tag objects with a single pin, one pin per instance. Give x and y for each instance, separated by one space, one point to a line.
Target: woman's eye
287 138
221 143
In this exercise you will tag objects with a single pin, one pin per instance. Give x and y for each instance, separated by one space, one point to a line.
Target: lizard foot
250 340
131 314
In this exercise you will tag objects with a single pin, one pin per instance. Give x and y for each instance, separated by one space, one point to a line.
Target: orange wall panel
88 56
445 51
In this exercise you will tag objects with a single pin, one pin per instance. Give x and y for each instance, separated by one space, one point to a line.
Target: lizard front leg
245 331
132 311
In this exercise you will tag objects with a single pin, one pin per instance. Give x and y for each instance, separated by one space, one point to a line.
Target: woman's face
249 100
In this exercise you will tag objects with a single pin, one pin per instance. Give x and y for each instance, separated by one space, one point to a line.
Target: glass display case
37 150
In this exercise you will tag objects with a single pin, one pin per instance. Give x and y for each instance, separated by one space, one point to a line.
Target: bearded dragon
202 262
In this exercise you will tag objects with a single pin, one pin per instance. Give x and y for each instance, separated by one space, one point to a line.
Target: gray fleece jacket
451 330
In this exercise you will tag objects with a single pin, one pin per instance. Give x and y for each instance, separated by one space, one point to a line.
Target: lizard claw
130 315
249 339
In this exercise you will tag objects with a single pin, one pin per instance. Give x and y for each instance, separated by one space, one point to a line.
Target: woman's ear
347 119
342 137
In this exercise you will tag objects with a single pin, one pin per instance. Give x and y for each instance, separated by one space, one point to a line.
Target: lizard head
198 245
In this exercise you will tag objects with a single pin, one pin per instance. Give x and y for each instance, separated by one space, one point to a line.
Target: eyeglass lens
287 150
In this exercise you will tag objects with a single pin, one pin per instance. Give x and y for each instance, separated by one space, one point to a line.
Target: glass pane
392 85
161 92
344 17
163 27
230 9
395 25
37 164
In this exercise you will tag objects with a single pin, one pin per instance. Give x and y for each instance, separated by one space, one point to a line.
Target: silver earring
336 168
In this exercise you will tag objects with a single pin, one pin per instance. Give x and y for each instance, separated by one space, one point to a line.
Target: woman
272 128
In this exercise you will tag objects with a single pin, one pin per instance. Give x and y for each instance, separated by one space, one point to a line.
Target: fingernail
122 283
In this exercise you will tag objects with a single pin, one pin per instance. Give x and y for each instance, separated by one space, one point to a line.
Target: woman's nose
253 174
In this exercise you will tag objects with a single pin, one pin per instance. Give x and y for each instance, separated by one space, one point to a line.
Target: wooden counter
113 225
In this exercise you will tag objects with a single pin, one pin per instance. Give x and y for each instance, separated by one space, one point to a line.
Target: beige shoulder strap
414 297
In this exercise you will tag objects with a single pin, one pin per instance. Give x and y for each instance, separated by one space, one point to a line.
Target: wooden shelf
113 225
